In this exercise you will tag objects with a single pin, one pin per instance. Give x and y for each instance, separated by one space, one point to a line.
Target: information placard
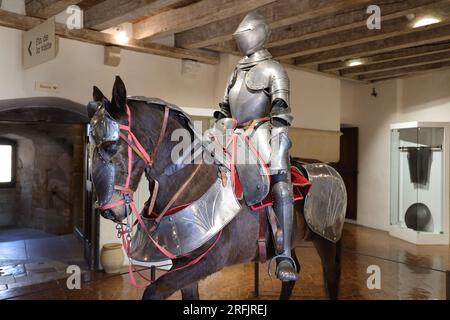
39 44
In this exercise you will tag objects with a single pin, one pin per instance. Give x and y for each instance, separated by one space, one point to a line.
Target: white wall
426 97
347 102
423 97
79 66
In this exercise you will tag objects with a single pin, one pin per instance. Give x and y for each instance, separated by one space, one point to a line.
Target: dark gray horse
238 243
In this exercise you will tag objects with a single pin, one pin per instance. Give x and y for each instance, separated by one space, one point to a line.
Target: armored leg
283 200
284 210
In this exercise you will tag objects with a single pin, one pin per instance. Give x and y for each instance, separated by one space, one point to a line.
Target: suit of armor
258 88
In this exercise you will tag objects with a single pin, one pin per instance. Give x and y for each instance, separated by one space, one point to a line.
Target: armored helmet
251 34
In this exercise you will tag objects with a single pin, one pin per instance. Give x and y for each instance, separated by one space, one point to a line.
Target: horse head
118 156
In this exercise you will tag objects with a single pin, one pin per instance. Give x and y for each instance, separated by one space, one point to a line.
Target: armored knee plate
283 207
280 145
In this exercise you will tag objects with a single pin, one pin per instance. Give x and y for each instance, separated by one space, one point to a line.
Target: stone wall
48 194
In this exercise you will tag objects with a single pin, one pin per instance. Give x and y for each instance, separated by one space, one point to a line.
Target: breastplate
246 104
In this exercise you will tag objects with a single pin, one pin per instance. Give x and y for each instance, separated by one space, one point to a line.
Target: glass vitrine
418 183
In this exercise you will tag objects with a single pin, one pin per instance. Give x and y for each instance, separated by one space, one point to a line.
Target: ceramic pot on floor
112 257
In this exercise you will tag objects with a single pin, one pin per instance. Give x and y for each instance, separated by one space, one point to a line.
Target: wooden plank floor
407 272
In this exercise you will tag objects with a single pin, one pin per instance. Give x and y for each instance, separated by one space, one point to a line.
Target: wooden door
348 168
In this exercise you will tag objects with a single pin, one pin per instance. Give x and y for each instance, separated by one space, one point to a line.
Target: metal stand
447 284
256 292
152 273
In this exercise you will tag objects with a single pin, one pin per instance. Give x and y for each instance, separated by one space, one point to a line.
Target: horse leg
329 253
288 286
171 282
190 292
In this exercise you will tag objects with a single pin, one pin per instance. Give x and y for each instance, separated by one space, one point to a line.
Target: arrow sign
39 44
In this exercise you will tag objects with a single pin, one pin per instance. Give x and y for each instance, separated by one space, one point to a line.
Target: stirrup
281 256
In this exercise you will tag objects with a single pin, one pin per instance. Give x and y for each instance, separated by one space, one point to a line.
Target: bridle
124 230
133 145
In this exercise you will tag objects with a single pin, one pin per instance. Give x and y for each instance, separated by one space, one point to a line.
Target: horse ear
92 108
97 94
119 98
98 97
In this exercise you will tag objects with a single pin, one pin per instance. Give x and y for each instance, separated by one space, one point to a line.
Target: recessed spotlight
121 36
410 16
425 21
354 62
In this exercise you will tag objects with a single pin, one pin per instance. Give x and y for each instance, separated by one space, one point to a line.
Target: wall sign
39 44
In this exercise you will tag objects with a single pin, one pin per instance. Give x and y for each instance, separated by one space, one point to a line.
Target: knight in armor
259 88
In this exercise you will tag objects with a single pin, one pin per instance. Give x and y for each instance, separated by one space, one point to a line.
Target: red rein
127 193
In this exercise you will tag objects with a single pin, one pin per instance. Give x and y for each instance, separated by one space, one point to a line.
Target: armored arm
224 111
279 89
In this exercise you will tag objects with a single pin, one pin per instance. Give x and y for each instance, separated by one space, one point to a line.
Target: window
7 163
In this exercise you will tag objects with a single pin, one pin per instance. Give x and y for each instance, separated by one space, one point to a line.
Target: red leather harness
125 233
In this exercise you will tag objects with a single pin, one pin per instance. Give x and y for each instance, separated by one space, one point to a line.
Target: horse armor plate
189 228
326 202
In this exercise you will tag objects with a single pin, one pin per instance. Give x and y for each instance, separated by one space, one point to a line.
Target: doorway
348 168
46 222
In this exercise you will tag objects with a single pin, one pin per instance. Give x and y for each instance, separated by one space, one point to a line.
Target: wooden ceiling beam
390 56
47 8
192 16
426 35
344 20
342 39
390 28
391 65
111 13
229 48
17 21
404 71
348 19
279 14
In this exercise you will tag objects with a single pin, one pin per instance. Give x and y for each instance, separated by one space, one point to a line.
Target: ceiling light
121 36
425 21
354 62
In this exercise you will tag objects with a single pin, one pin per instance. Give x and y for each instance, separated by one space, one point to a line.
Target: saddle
247 157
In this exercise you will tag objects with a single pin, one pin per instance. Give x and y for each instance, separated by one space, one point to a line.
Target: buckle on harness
127 198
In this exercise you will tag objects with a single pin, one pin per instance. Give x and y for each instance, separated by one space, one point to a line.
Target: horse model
132 135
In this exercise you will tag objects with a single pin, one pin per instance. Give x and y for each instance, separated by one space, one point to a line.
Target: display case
419 190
